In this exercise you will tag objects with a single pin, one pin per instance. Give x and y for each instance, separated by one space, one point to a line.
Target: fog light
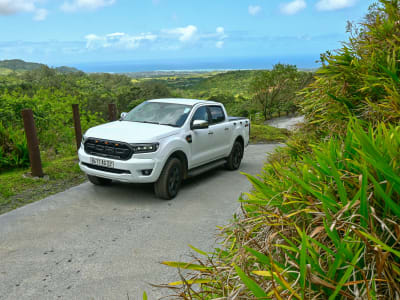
147 172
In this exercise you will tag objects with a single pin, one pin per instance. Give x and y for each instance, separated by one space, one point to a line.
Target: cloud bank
254 10
12 7
75 5
293 7
330 5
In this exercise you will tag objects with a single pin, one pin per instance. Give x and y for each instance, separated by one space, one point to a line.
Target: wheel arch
179 154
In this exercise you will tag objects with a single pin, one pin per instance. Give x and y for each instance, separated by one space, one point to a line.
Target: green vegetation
265 134
17 188
323 220
50 92
276 90
17 65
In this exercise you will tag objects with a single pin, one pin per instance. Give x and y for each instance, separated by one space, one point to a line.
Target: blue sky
60 32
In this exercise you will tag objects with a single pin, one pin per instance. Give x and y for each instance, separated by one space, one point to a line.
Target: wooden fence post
33 143
77 125
112 112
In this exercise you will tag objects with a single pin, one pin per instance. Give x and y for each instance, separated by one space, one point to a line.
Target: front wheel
170 180
99 180
235 158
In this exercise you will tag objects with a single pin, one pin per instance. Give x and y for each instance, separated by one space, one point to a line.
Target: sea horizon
197 65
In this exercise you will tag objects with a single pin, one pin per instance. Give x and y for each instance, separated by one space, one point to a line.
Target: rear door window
217 114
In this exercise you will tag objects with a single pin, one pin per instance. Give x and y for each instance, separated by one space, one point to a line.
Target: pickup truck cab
164 141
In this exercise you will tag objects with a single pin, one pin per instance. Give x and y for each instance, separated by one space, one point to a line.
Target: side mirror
199 124
123 115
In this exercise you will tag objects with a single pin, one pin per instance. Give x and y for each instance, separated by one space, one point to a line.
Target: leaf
144 296
194 281
198 250
363 198
263 273
342 100
346 274
380 243
183 265
393 205
250 283
303 257
394 76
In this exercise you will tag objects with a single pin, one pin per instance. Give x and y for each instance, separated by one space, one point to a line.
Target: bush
323 220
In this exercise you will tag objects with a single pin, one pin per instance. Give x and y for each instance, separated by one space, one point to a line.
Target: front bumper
132 168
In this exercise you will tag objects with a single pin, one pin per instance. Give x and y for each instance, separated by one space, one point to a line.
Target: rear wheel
99 180
170 180
235 158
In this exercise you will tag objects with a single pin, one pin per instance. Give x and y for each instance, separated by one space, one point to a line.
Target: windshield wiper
167 124
149 122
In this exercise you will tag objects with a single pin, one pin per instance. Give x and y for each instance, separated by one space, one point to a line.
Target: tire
235 157
170 180
99 180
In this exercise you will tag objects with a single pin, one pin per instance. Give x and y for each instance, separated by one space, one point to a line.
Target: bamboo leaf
183 265
250 283
346 274
198 250
194 281
303 269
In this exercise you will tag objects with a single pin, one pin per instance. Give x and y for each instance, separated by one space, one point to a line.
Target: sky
65 32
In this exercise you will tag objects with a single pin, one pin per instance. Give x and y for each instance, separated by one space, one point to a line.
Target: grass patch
265 134
17 189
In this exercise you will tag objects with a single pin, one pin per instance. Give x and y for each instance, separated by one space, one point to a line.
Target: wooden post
33 143
112 112
77 125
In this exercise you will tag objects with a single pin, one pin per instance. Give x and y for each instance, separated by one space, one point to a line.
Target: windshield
170 114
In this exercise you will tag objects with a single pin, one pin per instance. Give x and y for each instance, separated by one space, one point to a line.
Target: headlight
144 148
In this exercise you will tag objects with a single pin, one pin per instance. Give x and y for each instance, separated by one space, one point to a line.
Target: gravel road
93 242
286 122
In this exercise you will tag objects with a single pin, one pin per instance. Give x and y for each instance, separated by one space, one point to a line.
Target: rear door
202 140
221 131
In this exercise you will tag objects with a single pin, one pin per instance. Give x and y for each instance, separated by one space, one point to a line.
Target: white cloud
254 9
40 14
293 7
165 39
11 7
219 44
118 40
184 34
326 5
74 5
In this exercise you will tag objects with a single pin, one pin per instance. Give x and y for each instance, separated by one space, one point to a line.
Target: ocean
212 64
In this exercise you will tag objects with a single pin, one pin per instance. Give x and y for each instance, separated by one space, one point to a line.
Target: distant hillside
18 65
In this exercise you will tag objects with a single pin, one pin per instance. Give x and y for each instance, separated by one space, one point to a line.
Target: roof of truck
183 101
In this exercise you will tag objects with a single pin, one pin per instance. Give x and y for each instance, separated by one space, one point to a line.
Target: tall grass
323 220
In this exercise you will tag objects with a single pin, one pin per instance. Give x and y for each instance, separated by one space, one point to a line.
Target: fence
33 141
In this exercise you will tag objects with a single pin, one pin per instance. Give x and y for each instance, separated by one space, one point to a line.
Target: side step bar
206 167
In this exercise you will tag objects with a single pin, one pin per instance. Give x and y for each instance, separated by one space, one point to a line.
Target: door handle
226 128
211 133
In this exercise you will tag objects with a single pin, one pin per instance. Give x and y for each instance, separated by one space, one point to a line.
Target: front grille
105 169
109 149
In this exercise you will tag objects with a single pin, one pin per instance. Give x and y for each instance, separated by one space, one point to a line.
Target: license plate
102 162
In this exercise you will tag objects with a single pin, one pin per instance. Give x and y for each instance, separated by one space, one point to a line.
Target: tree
269 87
276 90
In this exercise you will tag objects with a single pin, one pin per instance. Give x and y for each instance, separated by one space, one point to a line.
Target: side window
217 114
201 114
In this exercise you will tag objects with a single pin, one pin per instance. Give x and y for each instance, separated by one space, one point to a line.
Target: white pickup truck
164 141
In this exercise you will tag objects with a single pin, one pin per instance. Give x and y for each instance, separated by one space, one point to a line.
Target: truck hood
131 132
